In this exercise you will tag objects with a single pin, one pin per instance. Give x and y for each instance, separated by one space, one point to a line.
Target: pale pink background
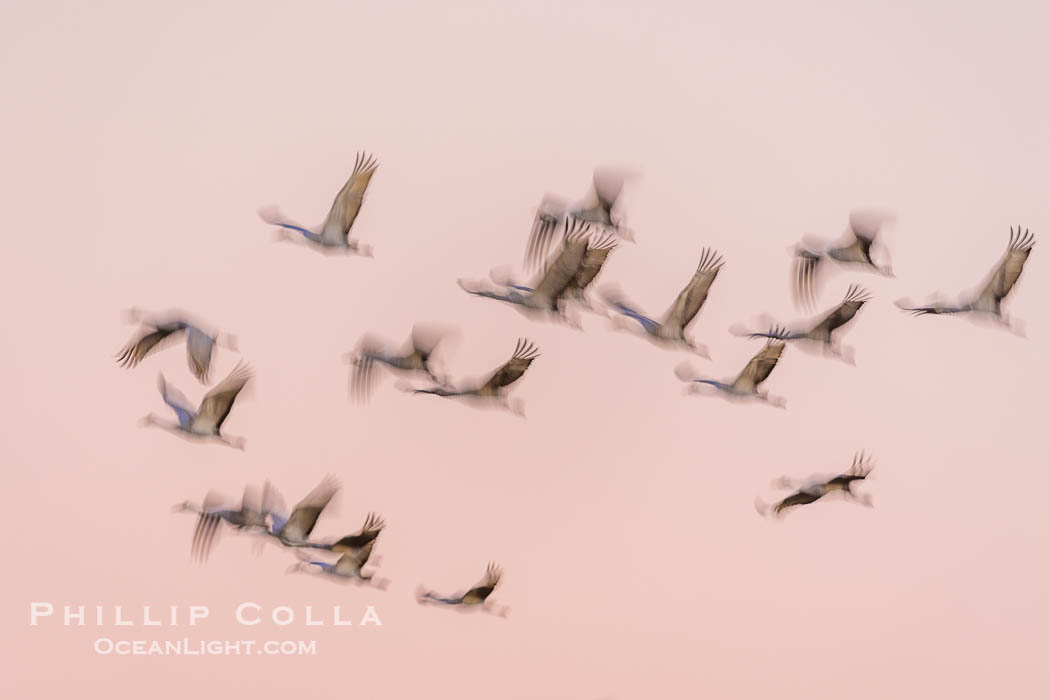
139 142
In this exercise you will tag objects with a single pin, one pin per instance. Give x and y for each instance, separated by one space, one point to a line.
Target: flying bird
354 543
670 332
207 420
600 208
822 331
349 567
746 384
414 358
334 233
856 249
294 530
476 598
214 511
815 489
495 387
987 302
159 332
555 280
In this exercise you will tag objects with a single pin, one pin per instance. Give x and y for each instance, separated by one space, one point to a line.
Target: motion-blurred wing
218 402
347 204
692 298
515 367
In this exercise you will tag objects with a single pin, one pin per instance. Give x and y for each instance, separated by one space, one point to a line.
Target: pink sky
139 142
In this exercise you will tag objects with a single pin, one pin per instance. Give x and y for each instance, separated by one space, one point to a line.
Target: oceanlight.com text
105 646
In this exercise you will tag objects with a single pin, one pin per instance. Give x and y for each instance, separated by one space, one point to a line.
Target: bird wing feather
347 204
692 298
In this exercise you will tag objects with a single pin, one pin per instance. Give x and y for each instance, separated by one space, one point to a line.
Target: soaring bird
215 510
495 387
814 489
670 332
294 530
746 384
474 599
855 249
158 332
987 302
600 208
556 279
207 420
334 233
823 331
415 357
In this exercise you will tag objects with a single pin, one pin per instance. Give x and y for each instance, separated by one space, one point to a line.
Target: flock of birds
589 232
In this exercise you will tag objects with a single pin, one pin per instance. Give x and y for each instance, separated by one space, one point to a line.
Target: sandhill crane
214 510
824 330
670 332
207 420
348 568
474 599
815 489
294 530
746 384
495 387
597 209
555 280
594 259
334 233
158 332
414 358
855 250
988 301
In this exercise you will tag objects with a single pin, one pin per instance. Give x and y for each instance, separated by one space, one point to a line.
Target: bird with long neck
855 250
349 568
987 301
416 358
746 384
206 422
494 389
477 598
813 489
333 236
159 330
823 332
670 332
214 511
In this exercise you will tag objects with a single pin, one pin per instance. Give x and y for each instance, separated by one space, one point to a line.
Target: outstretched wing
199 350
367 534
549 214
524 353
306 512
138 349
217 403
807 265
347 203
759 367
484 588
1003 278
690 299
597 253
557 277
842 314
175 399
